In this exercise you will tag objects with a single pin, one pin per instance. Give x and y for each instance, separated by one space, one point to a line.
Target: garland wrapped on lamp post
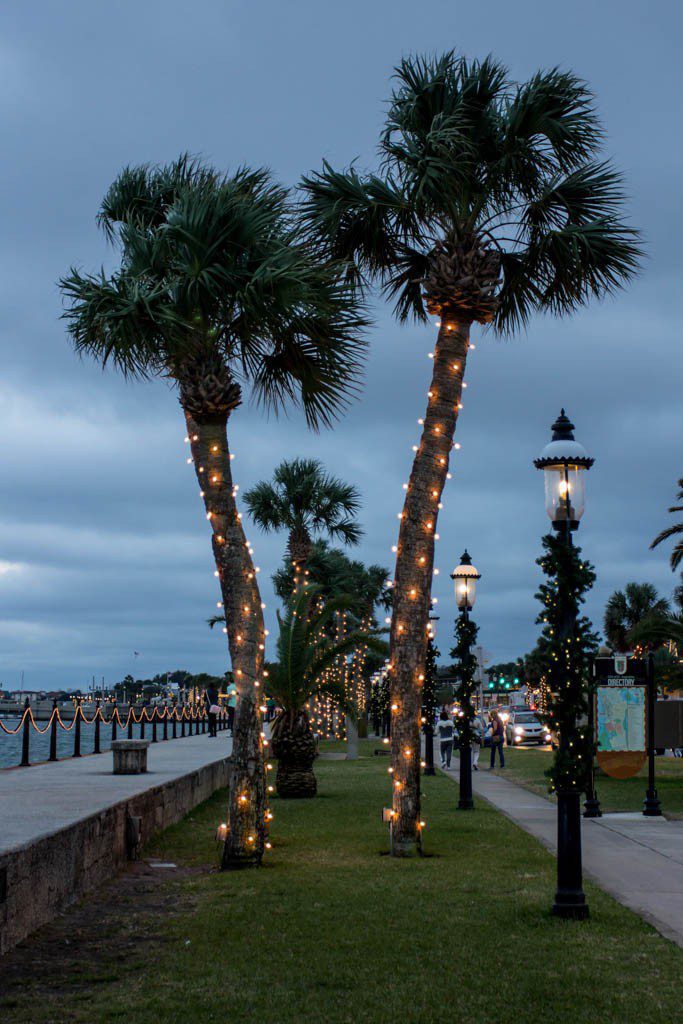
465 578
429 698
564 640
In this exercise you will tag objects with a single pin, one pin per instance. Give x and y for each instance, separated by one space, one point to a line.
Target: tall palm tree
491 203
628 608
306 651
215 290
673 531
307 502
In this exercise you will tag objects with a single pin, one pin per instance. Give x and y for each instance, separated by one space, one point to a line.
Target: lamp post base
571 911
570 900
591 807
466 801
652 807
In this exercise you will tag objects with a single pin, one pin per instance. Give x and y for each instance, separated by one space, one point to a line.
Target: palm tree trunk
247 830
413 580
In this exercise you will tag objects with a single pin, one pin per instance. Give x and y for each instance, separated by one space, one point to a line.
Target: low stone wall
39 879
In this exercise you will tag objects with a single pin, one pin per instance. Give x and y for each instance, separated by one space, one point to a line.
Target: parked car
525 727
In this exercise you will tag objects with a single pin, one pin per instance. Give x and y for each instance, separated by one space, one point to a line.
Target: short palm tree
491 203
673 531
306 651
214 291
307 502
627 609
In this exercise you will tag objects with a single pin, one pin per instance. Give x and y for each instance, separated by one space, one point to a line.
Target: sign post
651 805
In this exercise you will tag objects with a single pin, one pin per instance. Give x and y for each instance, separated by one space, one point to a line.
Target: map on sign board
621 718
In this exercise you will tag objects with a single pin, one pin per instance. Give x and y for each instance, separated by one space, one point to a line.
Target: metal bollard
25 738
53 733
130 721
165 723
96 745
113 723
154 725
77 730
142 723
174 721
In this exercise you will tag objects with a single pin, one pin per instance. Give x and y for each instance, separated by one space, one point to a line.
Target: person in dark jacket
497 739
212 707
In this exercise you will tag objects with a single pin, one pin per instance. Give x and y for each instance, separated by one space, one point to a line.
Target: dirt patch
89 943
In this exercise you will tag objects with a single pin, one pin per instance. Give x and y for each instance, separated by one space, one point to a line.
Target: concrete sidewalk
45 798
637 860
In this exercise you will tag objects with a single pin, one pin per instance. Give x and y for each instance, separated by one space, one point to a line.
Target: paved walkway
637 860
45 798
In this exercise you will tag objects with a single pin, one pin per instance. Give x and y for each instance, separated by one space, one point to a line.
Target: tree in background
215 290
307 502
673 531
305 652
627 609
492 203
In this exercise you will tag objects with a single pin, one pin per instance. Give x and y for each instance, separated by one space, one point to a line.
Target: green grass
527 766
330 931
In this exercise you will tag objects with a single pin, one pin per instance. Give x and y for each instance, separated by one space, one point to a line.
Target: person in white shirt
477 731
445 729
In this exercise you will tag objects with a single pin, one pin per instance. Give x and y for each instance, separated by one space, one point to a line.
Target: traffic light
503 685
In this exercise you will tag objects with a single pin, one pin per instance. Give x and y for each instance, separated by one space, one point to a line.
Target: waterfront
10 745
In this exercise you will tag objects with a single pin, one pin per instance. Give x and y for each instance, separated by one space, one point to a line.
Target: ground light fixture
564 463
465 578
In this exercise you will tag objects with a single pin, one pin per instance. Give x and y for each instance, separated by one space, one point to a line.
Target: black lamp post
564 463
465 579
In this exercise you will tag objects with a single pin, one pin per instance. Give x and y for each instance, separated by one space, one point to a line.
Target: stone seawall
39 878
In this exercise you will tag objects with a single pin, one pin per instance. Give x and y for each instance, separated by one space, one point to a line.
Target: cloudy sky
104 549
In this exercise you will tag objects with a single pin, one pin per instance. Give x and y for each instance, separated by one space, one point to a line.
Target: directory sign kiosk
621 714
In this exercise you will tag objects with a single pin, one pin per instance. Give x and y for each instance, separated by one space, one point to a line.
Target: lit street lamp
465 580
564 463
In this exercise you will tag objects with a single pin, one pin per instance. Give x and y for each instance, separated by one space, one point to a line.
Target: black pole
591 807
77 729
428 730
651 805
53 733
26 736
154 725
113 721
570 899
96 746
165 723
466 802
130 721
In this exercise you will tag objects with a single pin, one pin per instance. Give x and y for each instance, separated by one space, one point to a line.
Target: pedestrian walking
232 702
497 738
213 708
445 729
476 741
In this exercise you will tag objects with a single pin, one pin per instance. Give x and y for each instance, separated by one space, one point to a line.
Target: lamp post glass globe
564 463
465 581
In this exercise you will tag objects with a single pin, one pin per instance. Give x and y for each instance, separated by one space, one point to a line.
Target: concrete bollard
130 756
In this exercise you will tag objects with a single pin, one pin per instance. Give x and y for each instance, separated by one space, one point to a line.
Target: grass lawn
527 766
330 931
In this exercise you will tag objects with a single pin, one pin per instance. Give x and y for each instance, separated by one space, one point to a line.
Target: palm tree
215 291
673 531
306 652
491 203
307 502
628 608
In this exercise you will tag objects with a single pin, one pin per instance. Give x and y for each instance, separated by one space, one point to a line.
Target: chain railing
188 720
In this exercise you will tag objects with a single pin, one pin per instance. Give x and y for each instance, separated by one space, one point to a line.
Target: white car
525 727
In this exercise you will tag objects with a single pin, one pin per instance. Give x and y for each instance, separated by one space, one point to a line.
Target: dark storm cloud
103 546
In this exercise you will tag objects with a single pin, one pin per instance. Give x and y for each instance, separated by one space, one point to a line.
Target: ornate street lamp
564 463
465 581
